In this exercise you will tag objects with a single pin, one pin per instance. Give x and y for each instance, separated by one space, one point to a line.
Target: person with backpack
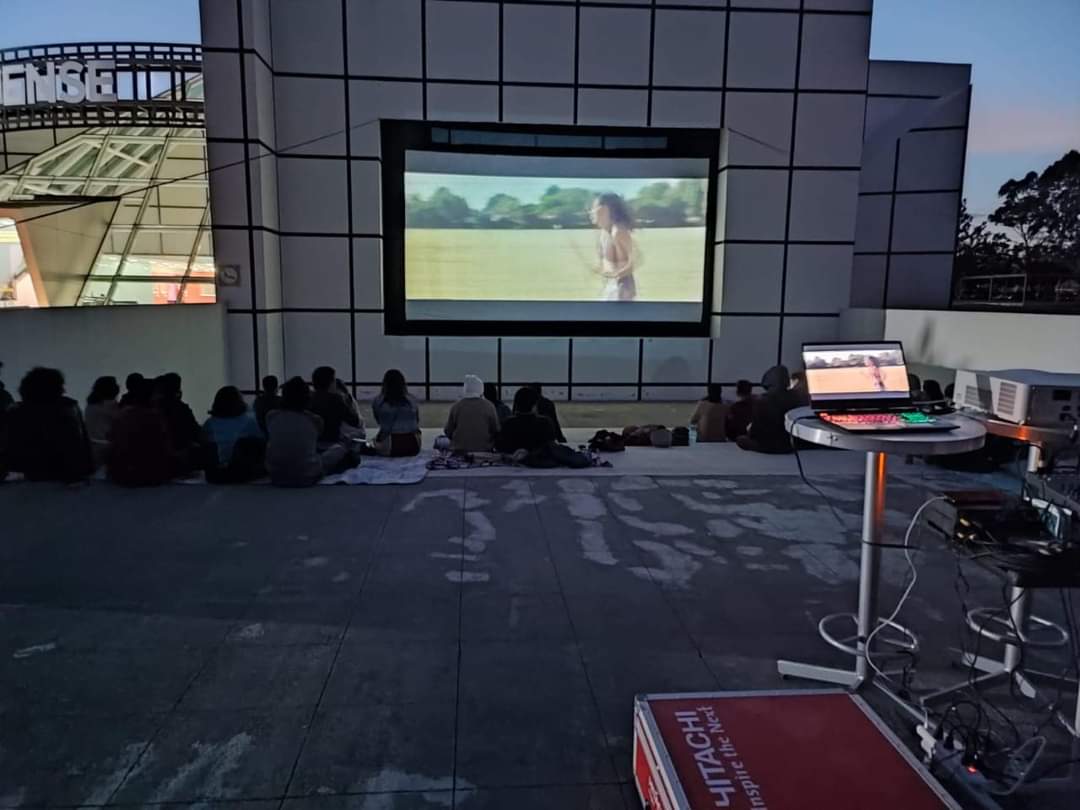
234 444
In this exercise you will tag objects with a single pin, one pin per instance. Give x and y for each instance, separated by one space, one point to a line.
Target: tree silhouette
1043 211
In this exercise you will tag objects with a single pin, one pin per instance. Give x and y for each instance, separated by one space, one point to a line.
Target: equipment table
1039 439
803 424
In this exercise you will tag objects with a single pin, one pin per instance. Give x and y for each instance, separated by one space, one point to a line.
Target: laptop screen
857 374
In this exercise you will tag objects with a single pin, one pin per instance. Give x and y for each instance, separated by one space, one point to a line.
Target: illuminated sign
50 82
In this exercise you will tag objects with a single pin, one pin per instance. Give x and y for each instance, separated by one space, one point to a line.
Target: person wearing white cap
473 423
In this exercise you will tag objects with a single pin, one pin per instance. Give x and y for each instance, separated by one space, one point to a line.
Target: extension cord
929 742
946 755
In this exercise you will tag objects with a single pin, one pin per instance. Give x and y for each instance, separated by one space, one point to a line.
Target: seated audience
328 403
130 383
398 417
740 411
101 411
354 408
46 437
6 400
491 394
915 384
767 432
267 400
140 452
293 458
710 416
180 422
473 422
526 429
799 388
932 391
234 443
545 407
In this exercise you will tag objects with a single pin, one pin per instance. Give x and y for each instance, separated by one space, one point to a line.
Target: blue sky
1025 58
1026 62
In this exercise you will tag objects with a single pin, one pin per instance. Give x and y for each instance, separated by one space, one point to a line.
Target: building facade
837 185
839 177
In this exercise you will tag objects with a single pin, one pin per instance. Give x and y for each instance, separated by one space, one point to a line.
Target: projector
1022 396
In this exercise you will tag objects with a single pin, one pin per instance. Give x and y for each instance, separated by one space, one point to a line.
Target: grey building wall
786 80
911 184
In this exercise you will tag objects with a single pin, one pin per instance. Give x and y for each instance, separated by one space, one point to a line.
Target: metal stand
1010 667
803 424
865 619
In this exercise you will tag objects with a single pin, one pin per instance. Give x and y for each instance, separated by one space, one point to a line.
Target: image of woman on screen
618 255
873 368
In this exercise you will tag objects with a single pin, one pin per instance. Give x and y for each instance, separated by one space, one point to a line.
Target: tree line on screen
657 205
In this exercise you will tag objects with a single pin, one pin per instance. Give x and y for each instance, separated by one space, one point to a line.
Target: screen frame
858 403
400 136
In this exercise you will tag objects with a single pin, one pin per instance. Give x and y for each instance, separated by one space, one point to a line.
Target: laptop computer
863 387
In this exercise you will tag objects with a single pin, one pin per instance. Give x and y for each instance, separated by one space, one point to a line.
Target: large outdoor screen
551 238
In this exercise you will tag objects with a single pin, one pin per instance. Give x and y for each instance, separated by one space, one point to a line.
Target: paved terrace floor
468 642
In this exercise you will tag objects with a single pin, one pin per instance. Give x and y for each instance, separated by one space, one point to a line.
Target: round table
803 424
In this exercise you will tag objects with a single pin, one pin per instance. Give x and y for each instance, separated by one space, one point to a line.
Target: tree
979 249
503 211
1043 211
565 207
443 210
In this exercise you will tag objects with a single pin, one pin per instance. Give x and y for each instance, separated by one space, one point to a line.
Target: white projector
1022 396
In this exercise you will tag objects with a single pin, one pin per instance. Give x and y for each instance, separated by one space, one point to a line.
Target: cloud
1000 129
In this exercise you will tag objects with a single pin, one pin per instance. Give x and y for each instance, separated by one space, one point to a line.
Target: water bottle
693 434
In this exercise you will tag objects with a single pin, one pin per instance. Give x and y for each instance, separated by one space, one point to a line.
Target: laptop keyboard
859 419
883 421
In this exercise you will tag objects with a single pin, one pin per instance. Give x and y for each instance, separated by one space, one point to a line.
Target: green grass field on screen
470 264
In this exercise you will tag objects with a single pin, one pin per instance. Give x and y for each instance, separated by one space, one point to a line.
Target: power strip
946 759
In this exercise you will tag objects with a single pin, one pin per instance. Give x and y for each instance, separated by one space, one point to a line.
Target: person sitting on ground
526 429
932 392
502 410
184 431
710 416
140 452
6 400
354 409
293 458
267 400
234 443
473 422
545 407
47 439
915 384
934 399
799 388
101 411
398 417
329 405
6 403
740 411
767 432
130 383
